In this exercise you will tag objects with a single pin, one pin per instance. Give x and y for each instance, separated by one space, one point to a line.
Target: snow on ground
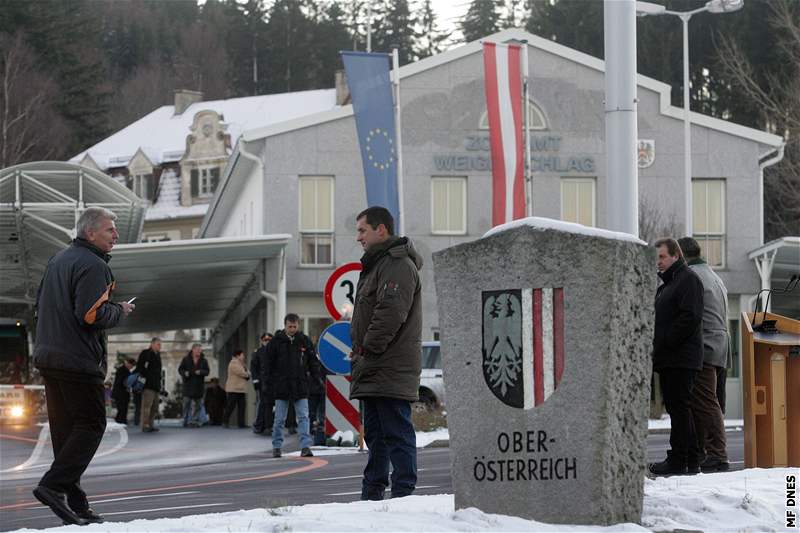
747 500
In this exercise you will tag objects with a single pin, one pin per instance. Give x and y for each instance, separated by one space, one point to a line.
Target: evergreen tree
290 36
482 19
393 25
331 37
431 38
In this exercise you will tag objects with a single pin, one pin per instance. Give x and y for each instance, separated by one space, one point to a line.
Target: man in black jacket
149 367
290 358
193 370
263 419
678 354
120 393
74 309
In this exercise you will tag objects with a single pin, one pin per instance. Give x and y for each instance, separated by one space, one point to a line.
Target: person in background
215 402
289 360
256 376
149 366
193 370
120 392
706 409
235 387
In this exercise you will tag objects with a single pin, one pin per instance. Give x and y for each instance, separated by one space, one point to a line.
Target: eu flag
373 106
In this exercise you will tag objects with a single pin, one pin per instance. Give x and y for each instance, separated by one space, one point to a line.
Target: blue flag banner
373 106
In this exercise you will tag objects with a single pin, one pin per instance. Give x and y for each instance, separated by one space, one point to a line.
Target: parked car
431 386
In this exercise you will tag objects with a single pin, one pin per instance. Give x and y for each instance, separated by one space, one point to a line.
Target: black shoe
306 452
148 430
90 516
57 502
667 468
292 431
276 452
715 464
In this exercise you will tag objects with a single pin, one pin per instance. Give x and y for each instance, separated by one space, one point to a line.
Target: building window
162 236
578 200
142 186
316 220
204 181
536 118
708 219
449 206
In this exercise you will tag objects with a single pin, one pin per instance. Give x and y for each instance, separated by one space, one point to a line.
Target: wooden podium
771 372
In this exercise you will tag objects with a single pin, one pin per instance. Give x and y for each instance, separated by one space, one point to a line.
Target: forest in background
74 71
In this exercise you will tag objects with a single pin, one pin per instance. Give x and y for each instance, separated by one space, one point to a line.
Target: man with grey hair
74 309
706 408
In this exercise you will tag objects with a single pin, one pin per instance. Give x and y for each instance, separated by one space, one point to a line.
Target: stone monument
547 330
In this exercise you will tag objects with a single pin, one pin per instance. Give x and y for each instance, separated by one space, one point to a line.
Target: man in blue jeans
386 359
289 360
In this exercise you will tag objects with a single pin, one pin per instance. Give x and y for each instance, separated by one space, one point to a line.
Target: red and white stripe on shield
341 413
503 78
542 343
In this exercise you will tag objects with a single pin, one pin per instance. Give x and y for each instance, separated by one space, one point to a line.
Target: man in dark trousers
709 421
74 310
290 359
386 332
193 370
256 374
678 354
120 392
149 367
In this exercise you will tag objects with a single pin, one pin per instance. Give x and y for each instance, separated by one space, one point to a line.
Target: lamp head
644 9
724 6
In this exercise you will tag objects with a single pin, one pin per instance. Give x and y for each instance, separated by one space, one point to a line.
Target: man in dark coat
678 354
263 420
290 359
386 332
120 392
149 367
215 402
193 370
74 311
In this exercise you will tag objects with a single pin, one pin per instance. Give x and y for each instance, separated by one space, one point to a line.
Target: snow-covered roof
161 135
168 205
568 227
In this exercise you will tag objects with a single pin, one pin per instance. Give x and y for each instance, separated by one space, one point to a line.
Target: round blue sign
334 348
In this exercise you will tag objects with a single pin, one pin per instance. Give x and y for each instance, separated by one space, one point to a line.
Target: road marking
313 464
123 440
35 454
22 439
359 492
335 478
167 508
145 496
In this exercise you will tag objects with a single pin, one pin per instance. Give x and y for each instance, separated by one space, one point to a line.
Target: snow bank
569 227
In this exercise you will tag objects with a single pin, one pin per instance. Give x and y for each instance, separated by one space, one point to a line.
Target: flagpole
526 97
369 26
398 136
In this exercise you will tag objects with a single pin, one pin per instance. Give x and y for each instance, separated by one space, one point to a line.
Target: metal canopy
40 203
776 262
190 283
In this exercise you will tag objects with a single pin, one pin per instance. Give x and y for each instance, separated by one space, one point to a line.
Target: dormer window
204 181
142 186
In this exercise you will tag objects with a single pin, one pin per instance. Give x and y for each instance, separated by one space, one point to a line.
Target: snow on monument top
569 227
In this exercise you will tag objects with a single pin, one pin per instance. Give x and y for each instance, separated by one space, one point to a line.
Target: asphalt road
178 472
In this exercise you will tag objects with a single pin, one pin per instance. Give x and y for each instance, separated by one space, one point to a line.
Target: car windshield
431 357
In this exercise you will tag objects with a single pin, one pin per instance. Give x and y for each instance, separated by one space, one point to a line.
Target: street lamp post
644 9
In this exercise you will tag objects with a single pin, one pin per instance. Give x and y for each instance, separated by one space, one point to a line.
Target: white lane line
128 498
359 492
123 440
335 478
167 508
44 434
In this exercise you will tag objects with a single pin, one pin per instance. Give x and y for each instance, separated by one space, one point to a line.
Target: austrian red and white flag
502 69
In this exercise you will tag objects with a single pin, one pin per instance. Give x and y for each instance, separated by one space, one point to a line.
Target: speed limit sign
340 290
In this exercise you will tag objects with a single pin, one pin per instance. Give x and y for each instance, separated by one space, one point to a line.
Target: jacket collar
695 261
676 267
83 243
376 252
